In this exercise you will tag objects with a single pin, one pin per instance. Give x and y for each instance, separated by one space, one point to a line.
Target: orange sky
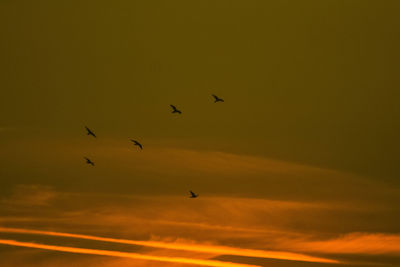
297 167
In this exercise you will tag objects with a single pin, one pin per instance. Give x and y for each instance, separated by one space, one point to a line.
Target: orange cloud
124 254
222 250
353 243
31 195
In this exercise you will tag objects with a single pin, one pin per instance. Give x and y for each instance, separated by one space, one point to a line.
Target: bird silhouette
175 110
136 143
89 132
88 161
217 99
193 195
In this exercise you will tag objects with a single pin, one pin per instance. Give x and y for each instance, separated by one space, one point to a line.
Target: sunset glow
199 133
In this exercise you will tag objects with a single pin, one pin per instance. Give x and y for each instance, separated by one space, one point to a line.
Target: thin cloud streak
120 254
187 247
353 243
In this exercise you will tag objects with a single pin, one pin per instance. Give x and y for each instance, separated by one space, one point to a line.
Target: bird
136 143
217 99
193 195
89 132
175 110
88 161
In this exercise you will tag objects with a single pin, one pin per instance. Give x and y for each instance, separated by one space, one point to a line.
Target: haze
297 167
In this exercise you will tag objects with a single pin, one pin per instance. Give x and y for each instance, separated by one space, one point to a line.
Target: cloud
123 254
219 250
161 169
244 227
248 205
354 243
31 195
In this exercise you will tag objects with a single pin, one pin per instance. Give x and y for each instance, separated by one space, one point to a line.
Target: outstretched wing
217 99
88 161
173 107
193 194
89 131
137 143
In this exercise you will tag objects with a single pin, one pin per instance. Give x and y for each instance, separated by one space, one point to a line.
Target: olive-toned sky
308 130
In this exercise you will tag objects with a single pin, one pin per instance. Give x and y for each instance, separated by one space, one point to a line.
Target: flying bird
193 195
88 161
217 99
136 143
175 110
89 132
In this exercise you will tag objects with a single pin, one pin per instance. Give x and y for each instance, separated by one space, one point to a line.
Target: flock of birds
136 143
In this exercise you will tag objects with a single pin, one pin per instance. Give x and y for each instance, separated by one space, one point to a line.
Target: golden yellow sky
298 167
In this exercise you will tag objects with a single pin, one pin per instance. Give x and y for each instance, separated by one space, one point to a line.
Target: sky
298 167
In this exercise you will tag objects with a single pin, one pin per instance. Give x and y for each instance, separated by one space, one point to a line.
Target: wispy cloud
157 166
245 227
354 243
124 254
31 195
220 250
250 206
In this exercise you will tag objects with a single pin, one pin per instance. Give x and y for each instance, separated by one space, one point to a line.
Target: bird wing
216 97
172 106
90 131
193 194
138 144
